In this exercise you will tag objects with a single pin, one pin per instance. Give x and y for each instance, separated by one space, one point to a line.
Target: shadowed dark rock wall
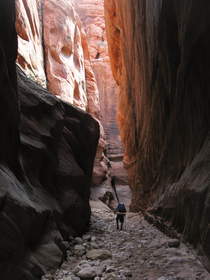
47 149
9 115
160 58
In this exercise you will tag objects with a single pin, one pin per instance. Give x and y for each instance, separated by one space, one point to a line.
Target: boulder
174 243
101 254
87 273
79 250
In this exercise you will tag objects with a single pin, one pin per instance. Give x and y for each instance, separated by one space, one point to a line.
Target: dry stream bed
139 252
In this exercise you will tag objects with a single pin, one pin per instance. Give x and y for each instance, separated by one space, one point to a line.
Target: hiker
121 212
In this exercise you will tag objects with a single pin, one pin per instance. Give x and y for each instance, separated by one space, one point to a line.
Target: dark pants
120 218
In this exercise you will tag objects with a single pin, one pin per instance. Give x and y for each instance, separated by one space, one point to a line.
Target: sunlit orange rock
91 13
30 49
93 102
64 57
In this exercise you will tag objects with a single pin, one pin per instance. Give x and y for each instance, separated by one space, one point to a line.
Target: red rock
64 56
67 64
91 13
126 114
30 50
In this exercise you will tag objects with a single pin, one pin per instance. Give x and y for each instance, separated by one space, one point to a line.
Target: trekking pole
125 222
115 190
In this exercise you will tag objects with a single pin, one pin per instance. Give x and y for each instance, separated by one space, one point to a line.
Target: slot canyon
104 102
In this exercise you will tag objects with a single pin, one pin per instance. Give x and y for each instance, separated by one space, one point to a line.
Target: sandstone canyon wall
52 46
160 58
53 50
91 13
46 158
64 52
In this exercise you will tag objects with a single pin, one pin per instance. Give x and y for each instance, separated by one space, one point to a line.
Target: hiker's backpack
121 208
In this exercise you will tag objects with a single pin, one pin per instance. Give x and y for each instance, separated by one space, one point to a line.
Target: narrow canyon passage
94 92
140 252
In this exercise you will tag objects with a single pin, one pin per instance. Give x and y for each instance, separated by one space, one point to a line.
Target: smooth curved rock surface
58 145
46 160
160 58
52 45
64 53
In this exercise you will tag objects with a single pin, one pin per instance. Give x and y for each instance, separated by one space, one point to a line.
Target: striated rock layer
46 159
160 58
